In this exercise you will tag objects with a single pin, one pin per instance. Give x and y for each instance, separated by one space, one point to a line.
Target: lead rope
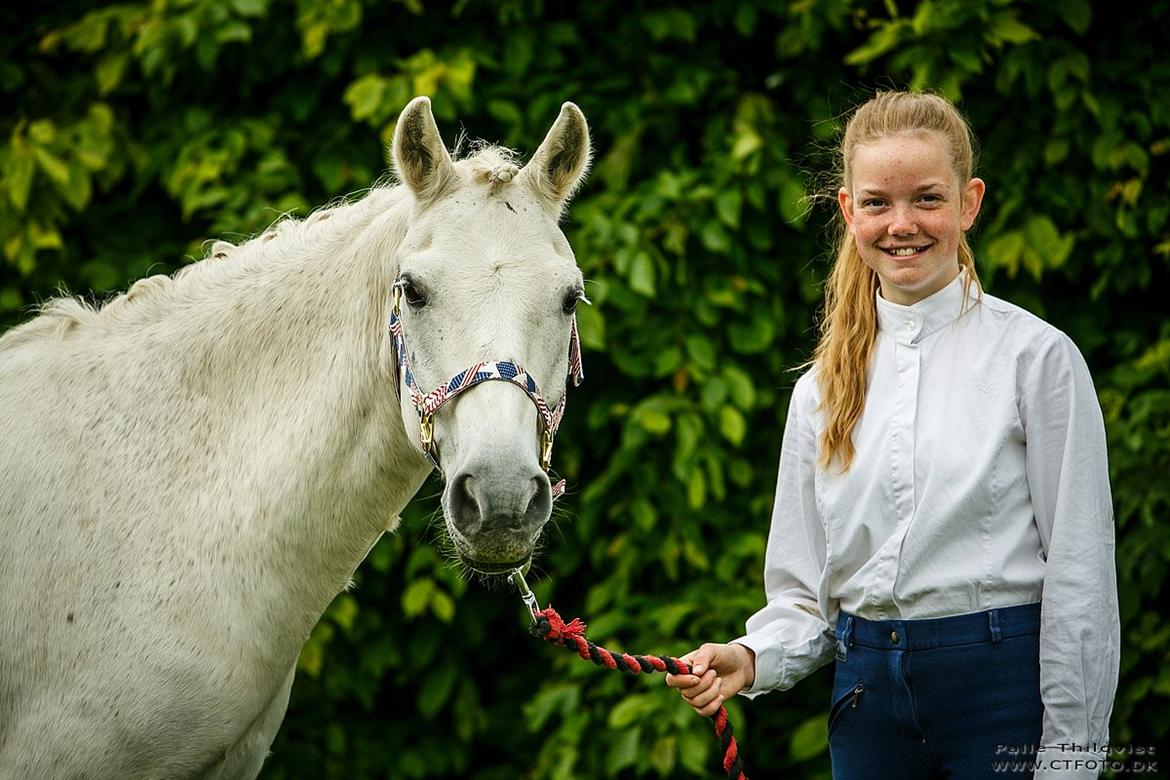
551 627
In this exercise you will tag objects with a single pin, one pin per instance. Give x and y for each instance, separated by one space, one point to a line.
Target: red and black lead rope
549 626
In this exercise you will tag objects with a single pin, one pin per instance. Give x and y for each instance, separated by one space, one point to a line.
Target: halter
500 370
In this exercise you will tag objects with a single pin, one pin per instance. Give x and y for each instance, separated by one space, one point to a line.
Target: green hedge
133 132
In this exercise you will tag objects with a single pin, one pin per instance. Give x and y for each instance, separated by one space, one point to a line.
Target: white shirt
980 481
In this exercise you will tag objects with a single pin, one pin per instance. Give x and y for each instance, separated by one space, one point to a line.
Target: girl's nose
902 222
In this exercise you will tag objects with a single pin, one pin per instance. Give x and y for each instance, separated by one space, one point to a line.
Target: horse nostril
540 505
464 506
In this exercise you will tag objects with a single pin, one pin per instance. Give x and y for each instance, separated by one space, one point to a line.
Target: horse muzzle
495 519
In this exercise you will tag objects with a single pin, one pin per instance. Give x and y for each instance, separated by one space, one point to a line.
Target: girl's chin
906 286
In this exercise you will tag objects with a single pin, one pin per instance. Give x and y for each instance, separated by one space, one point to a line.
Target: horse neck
311 461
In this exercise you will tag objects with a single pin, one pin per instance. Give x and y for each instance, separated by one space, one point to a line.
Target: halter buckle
398 300
546 442
426 430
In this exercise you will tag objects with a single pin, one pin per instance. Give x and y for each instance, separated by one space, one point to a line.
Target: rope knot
553 627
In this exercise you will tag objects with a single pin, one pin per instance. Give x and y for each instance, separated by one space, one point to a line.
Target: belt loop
993 624
847 637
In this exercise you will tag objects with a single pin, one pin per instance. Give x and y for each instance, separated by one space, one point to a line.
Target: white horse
191 473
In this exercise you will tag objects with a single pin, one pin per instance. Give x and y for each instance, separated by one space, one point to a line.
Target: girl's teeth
904 251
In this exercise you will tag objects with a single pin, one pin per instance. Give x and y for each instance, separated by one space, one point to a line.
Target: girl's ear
972 200
845 202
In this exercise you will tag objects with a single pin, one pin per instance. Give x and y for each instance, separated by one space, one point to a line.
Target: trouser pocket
844 704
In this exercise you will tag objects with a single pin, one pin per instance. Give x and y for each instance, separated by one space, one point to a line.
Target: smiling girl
943 523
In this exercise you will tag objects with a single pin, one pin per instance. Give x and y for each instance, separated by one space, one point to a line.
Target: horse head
486 288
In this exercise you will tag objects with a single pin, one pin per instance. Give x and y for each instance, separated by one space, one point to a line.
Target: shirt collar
911 324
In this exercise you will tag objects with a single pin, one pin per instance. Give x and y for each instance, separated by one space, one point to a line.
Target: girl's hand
719 672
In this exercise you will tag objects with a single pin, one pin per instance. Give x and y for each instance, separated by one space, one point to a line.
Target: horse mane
67 314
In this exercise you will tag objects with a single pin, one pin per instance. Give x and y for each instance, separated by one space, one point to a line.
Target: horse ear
420 159
560 162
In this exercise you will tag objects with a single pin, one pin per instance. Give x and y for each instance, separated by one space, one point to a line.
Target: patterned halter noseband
498 370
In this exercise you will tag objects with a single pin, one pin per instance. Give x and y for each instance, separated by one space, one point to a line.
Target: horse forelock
490 164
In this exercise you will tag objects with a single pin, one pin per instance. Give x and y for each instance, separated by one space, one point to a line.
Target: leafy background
133 132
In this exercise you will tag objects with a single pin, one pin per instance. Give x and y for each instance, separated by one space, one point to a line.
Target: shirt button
909 324
894 637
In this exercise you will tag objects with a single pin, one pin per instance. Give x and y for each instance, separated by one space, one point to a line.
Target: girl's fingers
681 681
703 694
711 708
689 684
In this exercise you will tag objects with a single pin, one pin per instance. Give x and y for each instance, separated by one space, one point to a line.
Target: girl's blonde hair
849 326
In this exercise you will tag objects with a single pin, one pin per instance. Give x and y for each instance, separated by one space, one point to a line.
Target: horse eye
414 296
571 298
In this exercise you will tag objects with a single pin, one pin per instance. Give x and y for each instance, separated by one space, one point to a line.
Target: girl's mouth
905 251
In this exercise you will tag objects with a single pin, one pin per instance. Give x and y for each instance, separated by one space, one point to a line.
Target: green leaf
1005 251
747 142
312 655
811 738
250 7
1077 14
754 338
1008 27
663 755
642 275
886 38
10 299
53 166
696 489
727 205
1046 240
643 514
688 433
743 392
1055 151
713 393
505 111
653 420
344 611
625 750
793 206
89 34
110 70
555 700
732 425
443 606
233 32
694 752
701 352
591 327
631 710
42 132
19 176
364 96
437 688
715 238
417 597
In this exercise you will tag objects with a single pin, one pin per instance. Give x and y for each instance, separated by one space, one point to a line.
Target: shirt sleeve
790 636
1080 632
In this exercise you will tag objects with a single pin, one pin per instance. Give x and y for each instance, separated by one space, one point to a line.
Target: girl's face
907 212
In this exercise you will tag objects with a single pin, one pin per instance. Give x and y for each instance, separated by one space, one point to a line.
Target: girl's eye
871 203
414 296
931 198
